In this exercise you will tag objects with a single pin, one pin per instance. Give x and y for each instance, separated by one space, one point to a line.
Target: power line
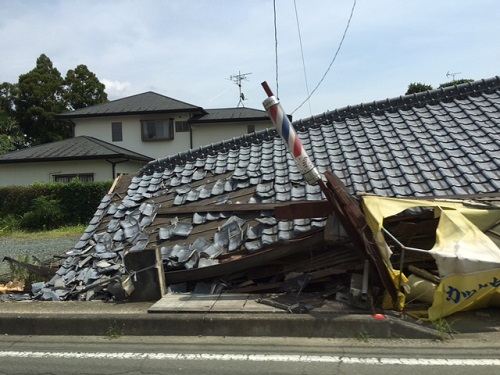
333 59
302 55
276 46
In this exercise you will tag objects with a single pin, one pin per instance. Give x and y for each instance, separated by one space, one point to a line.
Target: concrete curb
195 324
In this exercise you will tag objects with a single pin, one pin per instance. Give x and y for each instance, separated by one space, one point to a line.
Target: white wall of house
27 173
100 127
205 134
202 134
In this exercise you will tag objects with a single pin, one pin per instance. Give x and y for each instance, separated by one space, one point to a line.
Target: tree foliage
42 93
455 82
38 98
83 88
11 136
415 87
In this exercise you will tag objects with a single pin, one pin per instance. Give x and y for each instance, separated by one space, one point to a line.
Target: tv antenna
238 79
452 75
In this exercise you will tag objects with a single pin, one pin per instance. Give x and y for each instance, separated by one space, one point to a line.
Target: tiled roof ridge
192 154
403 102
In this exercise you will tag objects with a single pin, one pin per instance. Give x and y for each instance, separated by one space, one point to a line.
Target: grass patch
445 329
114 331
363 336
62 232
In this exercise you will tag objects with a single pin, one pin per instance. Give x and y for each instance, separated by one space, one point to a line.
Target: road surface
228 355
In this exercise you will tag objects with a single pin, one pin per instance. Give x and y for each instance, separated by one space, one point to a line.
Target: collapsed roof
205 208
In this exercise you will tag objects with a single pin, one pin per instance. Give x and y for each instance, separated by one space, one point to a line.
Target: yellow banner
466 292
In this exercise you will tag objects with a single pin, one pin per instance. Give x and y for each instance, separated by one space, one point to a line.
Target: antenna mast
238 79
452 75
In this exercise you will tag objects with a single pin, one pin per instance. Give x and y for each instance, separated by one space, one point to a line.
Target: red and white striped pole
287 132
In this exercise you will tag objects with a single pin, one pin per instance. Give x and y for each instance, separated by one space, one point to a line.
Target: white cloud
188 49
115 89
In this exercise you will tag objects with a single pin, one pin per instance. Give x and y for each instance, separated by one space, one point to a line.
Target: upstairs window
250 128
116 132
181 126
157 130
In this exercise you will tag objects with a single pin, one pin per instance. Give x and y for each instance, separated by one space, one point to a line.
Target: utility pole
238 79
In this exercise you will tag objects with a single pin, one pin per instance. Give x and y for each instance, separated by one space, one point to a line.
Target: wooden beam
283 211
309 209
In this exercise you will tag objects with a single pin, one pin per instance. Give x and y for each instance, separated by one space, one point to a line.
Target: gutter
113 166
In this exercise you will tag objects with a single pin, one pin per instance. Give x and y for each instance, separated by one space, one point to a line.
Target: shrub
62 204
9 223
45 214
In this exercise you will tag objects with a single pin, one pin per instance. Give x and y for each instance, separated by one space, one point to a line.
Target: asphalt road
210 355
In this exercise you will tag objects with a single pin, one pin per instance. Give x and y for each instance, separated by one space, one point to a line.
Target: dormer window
157 130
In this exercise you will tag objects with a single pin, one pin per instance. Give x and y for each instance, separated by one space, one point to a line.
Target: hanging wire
333 59
276 46
302 55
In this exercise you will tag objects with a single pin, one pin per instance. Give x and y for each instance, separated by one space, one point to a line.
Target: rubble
239 217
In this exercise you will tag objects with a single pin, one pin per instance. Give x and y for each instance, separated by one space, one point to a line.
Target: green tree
7 91
415 87
455 82
83 88
37 99
11 136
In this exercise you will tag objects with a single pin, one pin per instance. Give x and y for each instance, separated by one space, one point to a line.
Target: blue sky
189 49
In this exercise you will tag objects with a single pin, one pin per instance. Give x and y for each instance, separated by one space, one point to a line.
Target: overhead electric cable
302 55
276 46
333 59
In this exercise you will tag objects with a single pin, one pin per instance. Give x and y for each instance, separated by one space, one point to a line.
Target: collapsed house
238 216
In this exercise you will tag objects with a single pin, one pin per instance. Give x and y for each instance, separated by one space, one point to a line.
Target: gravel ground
43 249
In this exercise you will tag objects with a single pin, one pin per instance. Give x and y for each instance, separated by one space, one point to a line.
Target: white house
86 158
158 126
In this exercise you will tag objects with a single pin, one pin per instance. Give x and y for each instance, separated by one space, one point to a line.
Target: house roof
223 199
232 114
440 142
145 103
78 148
